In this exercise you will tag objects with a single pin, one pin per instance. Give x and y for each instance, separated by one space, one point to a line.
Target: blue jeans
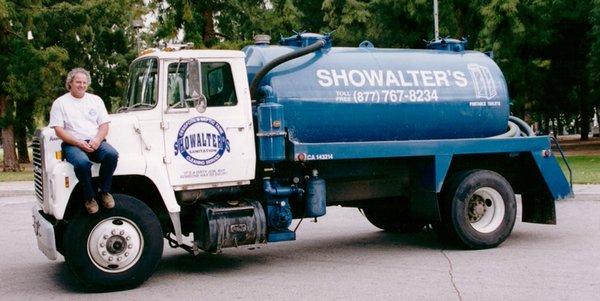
106 155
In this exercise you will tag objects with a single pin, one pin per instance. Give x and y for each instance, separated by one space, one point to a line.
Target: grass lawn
586 169
26 175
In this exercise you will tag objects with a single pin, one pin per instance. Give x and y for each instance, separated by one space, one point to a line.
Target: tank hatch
304 39
448 44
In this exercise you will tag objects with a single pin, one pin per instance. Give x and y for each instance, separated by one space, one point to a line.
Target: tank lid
303 39
448 44
262 39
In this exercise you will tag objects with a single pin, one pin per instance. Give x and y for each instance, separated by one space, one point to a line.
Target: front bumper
44 232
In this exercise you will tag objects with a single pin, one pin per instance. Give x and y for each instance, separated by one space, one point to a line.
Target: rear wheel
478 209
114 249
391 220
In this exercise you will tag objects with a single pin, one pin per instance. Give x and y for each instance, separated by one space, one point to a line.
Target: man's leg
108 157
83 171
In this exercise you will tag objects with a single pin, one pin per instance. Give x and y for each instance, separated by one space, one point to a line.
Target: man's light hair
72 74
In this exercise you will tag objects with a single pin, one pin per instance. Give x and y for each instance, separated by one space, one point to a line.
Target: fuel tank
342 94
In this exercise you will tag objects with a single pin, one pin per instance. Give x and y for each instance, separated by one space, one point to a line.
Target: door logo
201 141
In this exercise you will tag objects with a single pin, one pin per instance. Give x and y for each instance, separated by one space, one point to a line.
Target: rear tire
478 210
115 248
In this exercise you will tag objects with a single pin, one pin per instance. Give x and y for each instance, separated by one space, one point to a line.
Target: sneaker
91 206
107 200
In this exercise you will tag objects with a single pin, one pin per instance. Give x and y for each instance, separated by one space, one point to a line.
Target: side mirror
193 78
200 103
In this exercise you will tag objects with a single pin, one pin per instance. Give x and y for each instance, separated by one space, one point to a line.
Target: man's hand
86 147
95 143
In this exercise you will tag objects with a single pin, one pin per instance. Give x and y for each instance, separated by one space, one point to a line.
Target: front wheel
478 209
114 249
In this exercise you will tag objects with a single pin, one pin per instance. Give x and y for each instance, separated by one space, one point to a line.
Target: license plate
44 232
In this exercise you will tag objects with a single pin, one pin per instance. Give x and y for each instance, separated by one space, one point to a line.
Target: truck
224 148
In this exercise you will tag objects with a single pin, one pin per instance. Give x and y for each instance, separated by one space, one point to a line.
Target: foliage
41 40
549 50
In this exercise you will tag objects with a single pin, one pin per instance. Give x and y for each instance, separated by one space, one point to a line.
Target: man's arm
68 138
102 132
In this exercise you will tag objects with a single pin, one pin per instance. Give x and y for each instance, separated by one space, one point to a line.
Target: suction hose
516 127
280 60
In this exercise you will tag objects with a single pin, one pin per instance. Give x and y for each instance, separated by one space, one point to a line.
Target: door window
217 81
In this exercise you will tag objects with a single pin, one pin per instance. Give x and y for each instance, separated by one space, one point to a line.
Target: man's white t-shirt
80 117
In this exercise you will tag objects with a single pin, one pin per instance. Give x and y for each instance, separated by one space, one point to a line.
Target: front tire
478 210
114 249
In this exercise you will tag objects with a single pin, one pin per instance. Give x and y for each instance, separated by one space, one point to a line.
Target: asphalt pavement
341 256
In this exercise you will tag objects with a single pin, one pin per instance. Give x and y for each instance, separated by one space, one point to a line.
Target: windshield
142 87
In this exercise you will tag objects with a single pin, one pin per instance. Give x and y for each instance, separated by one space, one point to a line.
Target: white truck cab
185 126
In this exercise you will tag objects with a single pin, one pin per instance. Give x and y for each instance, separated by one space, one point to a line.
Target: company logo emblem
92 113
485 87
201 141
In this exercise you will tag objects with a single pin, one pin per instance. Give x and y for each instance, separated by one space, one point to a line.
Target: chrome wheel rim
115 244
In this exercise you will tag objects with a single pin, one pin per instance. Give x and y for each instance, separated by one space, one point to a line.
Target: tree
10 31
43 39
593 66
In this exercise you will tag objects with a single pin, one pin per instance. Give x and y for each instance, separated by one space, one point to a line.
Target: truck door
208 127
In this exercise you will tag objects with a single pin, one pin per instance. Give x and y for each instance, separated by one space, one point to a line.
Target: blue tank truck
409 137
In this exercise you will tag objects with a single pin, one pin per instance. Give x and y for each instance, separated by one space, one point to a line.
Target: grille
38 175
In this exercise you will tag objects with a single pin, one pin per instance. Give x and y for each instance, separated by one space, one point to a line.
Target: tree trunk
585 123
10 162
21 136
208 30
559 125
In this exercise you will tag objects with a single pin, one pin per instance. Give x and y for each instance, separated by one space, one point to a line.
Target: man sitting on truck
80 120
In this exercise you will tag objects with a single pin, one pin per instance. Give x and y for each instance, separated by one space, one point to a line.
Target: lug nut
126 254
130 246
122 232
110 258
105 236
114 232
118 258
128 238
102 244
104 253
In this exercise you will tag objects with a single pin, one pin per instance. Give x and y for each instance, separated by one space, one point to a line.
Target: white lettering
459 78
441 78
402 81
390 79
375 77
414 73
427 78
324 78
337 77
361 78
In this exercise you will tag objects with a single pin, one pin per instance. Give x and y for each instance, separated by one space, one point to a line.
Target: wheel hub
115 244
485 210
477 208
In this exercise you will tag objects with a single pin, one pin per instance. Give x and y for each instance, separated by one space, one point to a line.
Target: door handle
138 130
